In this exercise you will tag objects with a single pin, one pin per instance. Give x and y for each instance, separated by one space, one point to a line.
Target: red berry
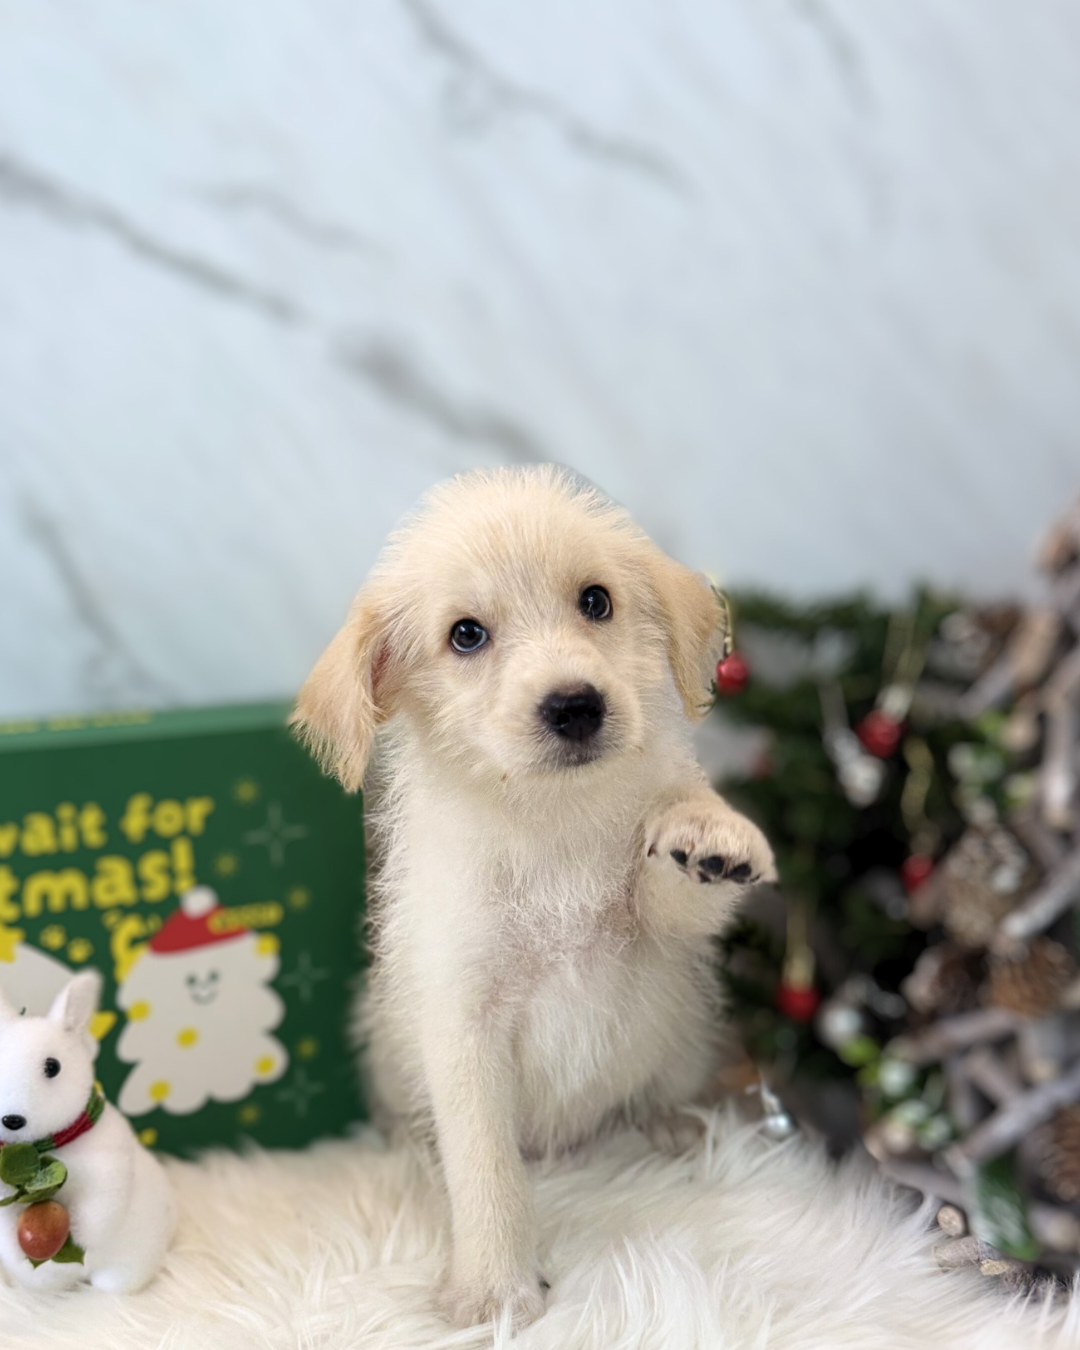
732 673
915 870
43 1229
762 766
799 1003
880 733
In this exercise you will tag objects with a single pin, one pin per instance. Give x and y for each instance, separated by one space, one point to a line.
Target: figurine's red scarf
86 1120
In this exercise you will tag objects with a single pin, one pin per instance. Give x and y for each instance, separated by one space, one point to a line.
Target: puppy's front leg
699 855
470 1071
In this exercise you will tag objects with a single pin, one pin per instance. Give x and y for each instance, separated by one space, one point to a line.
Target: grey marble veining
797 280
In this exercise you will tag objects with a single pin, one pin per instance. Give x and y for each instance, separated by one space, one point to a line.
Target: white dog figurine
552 861
118 1199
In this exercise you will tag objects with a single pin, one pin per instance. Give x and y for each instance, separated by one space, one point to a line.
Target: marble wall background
798 280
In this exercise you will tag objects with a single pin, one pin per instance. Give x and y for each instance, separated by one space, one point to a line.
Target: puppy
553 861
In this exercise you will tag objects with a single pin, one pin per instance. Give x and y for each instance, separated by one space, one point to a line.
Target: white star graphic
305 976
300 1091
275 834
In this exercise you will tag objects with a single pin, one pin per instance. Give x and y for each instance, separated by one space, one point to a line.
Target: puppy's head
524 624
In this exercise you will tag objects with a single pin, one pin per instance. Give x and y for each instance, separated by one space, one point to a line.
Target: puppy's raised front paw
709 842
470 1303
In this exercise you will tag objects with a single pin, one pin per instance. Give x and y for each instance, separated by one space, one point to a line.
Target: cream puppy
553 862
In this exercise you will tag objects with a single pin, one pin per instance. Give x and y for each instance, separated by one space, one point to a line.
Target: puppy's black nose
576 714
12 1122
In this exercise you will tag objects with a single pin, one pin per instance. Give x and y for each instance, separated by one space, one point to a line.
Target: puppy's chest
518 902
573 917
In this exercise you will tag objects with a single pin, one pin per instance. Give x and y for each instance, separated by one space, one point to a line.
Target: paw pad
715 868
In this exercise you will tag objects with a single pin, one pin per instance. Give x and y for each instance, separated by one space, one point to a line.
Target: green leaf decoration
18 1163
34 1195
70 1253
50 1176
1000 1216
860 1051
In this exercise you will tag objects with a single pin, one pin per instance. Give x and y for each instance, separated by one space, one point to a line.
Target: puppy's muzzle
575 715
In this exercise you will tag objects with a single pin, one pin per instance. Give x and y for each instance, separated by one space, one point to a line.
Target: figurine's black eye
467 636
595 603
52 1067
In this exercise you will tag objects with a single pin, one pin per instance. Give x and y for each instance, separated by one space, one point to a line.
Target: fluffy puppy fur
549 880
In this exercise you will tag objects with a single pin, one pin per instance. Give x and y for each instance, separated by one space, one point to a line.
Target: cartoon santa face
200 1008
203 989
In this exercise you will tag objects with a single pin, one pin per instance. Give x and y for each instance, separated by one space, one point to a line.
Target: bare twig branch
1060 890
946 1037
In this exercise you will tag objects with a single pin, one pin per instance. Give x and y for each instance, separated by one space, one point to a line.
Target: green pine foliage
838 860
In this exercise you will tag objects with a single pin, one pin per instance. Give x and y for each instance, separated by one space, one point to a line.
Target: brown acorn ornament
43 1229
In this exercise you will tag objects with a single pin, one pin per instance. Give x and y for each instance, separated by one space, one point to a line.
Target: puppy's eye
595 603
467 636
52 1067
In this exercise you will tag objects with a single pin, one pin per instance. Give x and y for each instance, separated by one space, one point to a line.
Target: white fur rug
740 1245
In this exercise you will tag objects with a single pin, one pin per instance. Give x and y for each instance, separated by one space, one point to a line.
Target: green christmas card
202 863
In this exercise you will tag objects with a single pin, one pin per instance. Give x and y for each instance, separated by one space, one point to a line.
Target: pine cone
945 980
984 875
1056 1147
1033 984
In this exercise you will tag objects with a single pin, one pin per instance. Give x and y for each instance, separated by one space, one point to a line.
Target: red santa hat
199 920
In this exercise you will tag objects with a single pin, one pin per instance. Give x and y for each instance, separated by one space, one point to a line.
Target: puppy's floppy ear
693 618
345 697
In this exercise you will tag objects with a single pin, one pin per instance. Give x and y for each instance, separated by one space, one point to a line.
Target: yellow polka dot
267 944
226 864
307 1048
138 1011
188 1036
249 1114
148 1137
53 937
79 949
101 1024
159 1090
265 1064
